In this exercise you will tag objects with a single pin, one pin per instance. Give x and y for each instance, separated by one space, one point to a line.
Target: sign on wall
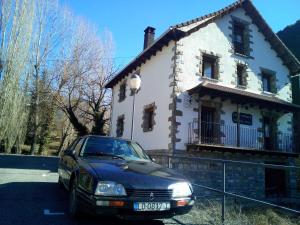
245 118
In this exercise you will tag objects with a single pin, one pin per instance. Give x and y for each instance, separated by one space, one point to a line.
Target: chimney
149 36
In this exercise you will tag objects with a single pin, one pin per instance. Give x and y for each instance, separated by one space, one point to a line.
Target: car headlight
110 188
180 190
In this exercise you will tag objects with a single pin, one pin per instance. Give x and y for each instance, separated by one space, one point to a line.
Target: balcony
216 136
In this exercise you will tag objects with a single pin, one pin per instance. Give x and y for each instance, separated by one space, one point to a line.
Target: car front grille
149 194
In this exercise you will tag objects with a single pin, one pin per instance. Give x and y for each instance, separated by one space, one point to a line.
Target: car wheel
73 201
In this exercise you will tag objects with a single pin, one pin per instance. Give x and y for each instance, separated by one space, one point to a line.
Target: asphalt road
30 195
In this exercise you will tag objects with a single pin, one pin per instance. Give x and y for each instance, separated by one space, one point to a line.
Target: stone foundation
243 179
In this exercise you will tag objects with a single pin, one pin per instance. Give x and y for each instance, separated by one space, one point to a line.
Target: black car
115 177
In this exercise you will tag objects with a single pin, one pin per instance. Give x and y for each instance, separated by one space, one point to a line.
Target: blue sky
127 19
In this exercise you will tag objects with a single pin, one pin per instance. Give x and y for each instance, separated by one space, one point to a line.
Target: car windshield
116 148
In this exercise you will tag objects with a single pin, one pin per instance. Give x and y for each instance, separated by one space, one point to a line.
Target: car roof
108 137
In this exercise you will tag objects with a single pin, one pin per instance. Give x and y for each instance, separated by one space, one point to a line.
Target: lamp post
134 84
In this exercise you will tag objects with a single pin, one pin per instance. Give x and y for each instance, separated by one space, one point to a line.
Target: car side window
70 147
84 146
78 146
73 144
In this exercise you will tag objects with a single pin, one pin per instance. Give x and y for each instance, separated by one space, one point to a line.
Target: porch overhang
243 97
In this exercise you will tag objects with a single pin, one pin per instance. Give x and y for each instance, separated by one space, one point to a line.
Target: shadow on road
28 162
26 202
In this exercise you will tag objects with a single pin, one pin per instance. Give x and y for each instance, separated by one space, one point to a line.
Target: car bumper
90 204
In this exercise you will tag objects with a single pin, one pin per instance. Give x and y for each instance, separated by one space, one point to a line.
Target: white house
218 86
219 82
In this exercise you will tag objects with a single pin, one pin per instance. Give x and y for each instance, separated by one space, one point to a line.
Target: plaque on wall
245 118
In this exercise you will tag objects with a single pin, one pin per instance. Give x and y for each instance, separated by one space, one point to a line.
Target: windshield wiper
104 154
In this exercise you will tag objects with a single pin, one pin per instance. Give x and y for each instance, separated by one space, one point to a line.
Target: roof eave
163 40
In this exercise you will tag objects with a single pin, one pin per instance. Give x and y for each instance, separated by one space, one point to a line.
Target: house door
267 133
275 182
208 125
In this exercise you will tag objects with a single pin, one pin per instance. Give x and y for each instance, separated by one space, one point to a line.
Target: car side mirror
70 152
152 159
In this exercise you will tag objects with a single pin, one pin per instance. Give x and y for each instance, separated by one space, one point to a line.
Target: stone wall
244 179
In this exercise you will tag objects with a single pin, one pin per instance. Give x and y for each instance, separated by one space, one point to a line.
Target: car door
85 177
71 159
63 161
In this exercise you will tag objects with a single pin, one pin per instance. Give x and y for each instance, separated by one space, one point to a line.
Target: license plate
151 206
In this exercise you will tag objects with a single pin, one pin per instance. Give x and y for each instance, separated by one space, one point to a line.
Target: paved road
30 195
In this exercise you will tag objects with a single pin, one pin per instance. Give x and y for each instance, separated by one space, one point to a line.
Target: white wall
154 88
215 38
155 73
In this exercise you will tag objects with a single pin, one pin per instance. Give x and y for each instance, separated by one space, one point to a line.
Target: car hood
135 174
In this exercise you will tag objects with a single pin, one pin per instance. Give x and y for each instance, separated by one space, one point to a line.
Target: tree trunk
34 135
41 149
35 112
99 123
79 127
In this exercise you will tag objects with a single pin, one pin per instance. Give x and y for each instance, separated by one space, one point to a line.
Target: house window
241 75
209 67
268 82
148 118
120 126
122 92
239 37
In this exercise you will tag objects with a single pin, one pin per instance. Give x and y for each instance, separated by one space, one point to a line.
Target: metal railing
243 137
223 189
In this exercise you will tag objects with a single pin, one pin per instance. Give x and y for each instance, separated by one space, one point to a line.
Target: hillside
291 37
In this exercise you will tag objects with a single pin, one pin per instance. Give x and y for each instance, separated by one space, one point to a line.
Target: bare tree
81 93
16 21
49 33
47 56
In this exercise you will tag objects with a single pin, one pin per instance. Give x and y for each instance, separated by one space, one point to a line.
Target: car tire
74 207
